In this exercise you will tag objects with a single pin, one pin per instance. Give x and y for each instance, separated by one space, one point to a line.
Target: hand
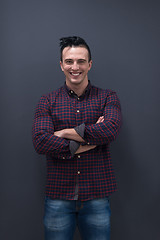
59 133
84 148
100 119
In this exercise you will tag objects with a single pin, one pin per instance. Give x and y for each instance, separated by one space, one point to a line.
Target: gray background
124 37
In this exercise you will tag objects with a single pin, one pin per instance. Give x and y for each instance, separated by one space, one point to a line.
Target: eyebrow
68 59
80 59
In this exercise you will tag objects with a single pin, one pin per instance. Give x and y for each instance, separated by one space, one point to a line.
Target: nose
75 66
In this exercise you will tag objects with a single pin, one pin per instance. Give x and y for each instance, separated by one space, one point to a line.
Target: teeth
75 74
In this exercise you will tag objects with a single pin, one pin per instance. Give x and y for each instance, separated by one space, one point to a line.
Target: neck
79 88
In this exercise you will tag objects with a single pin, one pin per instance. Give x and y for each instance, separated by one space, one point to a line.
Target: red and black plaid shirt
91 170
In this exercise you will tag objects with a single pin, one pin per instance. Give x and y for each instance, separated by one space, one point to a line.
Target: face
75 66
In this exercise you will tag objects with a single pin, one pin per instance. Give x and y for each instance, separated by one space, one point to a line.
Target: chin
76 81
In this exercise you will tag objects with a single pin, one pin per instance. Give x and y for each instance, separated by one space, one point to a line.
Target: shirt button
79 156
78 98
71 91
78 172
63 157
88 143
77 110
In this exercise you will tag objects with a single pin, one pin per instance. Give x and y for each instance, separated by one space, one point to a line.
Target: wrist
70 133
67 133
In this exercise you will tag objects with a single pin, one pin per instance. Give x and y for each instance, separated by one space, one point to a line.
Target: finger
100 119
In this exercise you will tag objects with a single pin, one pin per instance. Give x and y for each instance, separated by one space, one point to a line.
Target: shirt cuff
73 146
80 129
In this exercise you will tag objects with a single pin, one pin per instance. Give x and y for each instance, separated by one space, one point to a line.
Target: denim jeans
62 216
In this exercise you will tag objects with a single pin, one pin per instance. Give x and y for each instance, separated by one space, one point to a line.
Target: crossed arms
71 134
48 141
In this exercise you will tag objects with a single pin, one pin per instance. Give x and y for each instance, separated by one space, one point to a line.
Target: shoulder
105 96
102 92
51 96
48 99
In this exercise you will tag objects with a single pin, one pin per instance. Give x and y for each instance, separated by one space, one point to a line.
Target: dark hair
74 41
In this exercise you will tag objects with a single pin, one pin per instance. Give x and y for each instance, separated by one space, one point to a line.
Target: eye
68 61
81 61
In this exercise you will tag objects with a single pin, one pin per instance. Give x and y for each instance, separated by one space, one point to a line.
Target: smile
75 74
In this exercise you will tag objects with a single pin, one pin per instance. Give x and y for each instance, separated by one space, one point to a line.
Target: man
74 127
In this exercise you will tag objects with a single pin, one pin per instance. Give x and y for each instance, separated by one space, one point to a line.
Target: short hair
73 41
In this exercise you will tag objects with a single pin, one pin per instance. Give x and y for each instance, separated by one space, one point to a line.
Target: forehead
75 53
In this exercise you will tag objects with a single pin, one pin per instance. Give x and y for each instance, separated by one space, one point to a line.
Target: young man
74 127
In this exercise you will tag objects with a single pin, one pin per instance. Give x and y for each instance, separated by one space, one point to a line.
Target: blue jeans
92 218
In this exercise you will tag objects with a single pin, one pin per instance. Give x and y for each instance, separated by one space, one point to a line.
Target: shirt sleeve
44 140
106 131
80 129
74 145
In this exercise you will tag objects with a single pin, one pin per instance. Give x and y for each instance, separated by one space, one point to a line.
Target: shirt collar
71 93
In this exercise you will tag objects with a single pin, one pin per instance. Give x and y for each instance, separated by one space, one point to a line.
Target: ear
90 64
61 65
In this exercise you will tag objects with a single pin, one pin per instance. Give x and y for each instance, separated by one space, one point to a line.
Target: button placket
78 112
78 122
78 170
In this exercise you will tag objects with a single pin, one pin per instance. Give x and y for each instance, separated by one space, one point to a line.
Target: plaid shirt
91 170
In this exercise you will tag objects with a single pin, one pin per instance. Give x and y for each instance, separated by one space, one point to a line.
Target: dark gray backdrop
124 37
